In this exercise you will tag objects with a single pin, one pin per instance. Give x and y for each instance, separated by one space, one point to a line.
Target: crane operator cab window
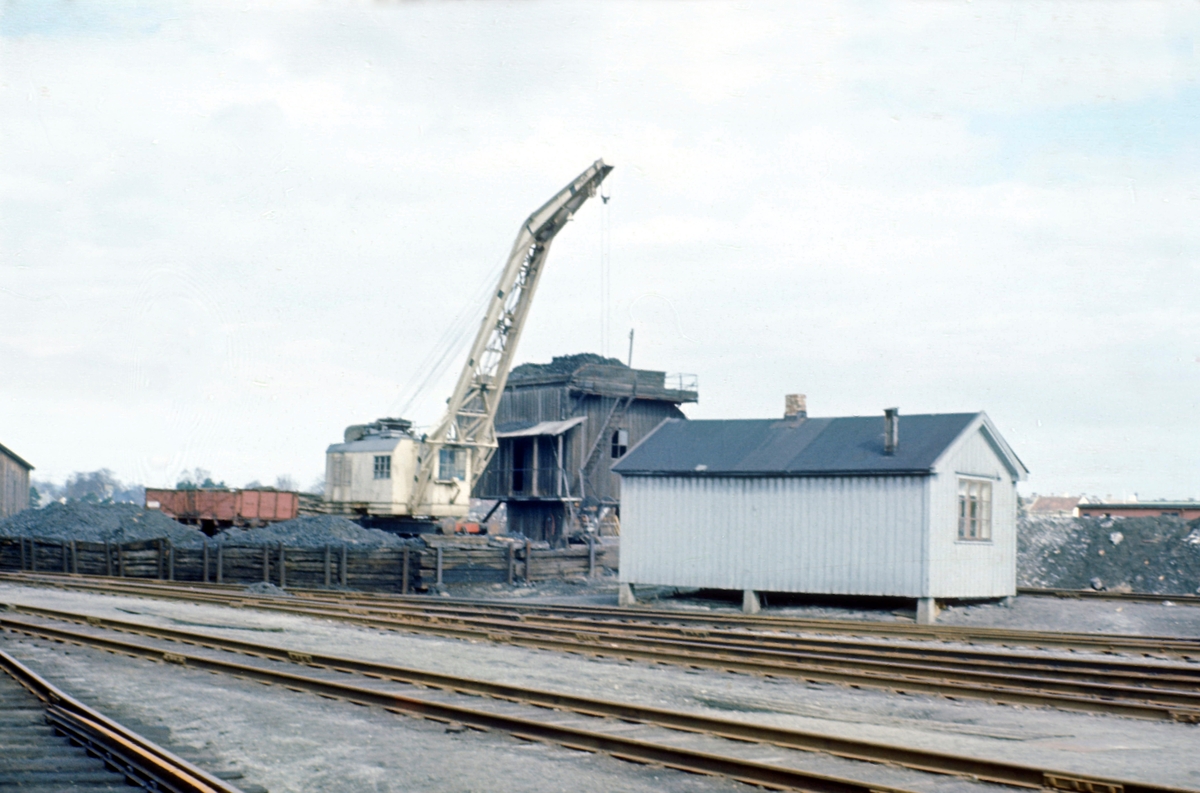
452 464
620 443
383 466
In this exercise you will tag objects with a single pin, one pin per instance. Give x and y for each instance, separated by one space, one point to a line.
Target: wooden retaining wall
376 570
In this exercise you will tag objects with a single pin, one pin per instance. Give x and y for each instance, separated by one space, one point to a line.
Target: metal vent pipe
891 430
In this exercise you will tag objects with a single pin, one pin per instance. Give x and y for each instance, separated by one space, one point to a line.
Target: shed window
452 464
974 509
383 466
620 443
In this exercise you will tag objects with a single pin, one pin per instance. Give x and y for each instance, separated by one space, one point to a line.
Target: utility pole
631 348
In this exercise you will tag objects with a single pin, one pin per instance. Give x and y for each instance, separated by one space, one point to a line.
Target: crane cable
451 342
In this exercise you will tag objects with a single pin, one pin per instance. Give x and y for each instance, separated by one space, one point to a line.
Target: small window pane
383 466
452 464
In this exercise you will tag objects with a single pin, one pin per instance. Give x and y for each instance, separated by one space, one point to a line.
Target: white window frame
383 466
975 509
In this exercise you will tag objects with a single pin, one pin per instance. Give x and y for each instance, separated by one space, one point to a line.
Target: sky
227 231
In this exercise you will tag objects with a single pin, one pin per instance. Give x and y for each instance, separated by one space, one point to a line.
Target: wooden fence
401 570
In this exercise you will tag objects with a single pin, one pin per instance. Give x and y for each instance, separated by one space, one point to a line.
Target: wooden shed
561 426
14 483
922 508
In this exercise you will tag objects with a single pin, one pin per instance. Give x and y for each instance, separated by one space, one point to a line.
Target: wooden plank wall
374 570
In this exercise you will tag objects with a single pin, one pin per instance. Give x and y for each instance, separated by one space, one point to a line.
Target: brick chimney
891 430
795 407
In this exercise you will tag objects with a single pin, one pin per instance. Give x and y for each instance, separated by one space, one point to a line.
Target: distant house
1054 506
14 483
922 507
561 426
1188 510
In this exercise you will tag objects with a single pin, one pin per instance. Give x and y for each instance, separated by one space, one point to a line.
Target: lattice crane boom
469 421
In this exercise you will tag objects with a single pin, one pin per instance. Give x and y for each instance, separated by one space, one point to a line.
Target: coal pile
1155 556
562 365
315 531
86 522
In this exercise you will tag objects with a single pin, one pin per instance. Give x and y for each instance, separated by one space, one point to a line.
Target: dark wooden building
14 483
561 426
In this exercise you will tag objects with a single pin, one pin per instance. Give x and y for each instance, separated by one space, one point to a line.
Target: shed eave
779 474
983 423
15 457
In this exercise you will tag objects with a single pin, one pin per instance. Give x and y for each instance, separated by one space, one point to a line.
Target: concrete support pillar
750 602
625 595
927 611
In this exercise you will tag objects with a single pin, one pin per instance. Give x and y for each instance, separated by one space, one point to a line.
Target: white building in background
922 508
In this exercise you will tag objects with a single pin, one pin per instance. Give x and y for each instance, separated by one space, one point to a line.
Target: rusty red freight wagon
215 509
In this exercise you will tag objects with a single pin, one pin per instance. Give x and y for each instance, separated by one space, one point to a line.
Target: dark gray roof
796 447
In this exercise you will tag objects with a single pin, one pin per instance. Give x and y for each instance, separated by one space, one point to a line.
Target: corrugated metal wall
970 568
827 535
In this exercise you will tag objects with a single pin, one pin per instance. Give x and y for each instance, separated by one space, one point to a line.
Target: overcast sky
226 232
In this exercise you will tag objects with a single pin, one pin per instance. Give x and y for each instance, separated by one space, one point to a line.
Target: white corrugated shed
819 506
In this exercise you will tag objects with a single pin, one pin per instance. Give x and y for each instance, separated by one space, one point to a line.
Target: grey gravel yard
288 741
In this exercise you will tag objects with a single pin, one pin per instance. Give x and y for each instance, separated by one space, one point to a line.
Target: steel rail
1124 700
142 762
1098 642
920 760
226 593
1127 597
1059 669
638 751
1132 702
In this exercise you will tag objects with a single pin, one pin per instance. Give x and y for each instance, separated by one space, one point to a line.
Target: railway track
53 742
574 721
1086 642
1133 689
1127 597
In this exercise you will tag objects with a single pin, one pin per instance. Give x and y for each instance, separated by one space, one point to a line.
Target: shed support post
266 564
512 561
107 559
74 557
32 555
282 567
439 565
170 561
591 556
528 559
342 567
159 573
121 560
750 602
204 562
927 611
66 568
328 567
404 572
22 544
221 563
625 595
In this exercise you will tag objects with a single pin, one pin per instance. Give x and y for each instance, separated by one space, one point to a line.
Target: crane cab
372 473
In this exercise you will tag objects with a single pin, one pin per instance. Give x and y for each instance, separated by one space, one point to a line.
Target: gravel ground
1026 612
303 742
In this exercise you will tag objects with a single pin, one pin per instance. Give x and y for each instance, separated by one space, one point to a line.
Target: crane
382 470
